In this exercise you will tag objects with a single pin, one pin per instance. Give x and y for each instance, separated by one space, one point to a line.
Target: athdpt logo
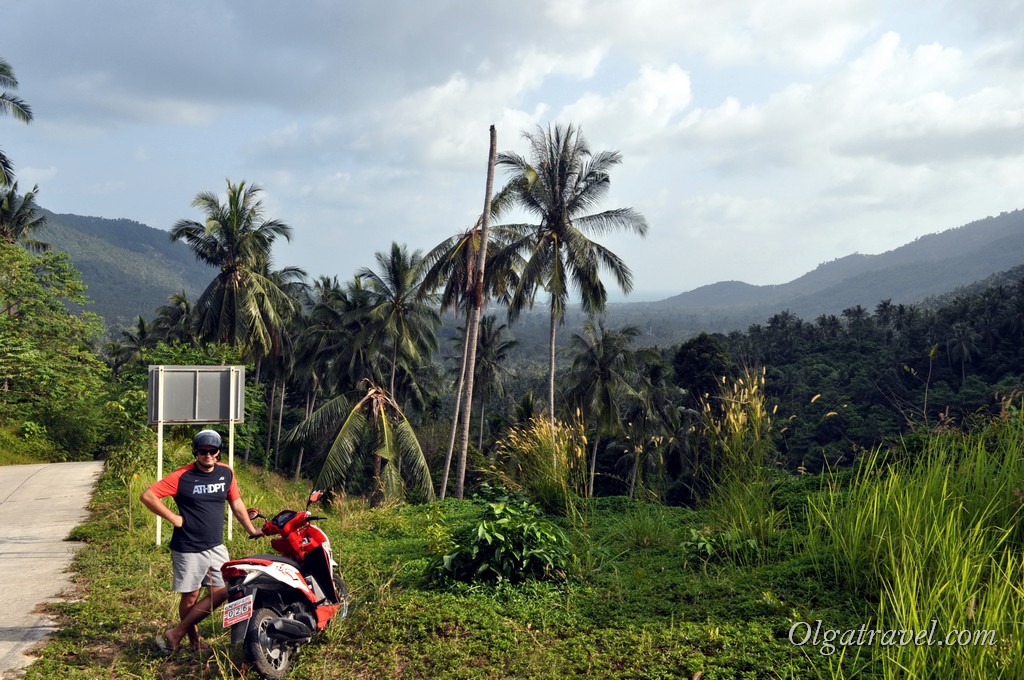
201 489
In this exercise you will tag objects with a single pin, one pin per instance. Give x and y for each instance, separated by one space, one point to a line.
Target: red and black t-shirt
200 497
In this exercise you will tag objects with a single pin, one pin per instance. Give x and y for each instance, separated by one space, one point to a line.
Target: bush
511 542
18 449
549 466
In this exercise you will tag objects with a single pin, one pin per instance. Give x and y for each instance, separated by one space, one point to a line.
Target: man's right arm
151 501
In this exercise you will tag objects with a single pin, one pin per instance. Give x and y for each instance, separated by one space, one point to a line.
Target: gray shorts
193 570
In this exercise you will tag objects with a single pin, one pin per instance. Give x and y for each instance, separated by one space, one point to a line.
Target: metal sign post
195 395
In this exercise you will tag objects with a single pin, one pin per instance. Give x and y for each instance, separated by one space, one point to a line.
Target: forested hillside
128 268
928 266
131 269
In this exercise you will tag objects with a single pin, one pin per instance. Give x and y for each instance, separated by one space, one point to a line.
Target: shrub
646 525
510 541
549 467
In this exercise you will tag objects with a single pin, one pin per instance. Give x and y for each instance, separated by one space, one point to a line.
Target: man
197 545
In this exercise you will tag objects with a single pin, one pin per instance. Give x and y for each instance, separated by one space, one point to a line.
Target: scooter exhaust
289 630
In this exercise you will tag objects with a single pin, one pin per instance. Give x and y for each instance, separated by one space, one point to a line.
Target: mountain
129 268
929 266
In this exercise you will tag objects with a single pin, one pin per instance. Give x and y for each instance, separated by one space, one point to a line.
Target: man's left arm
239 510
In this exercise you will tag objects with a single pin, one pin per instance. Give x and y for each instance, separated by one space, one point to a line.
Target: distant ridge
928 266
132 269
129 268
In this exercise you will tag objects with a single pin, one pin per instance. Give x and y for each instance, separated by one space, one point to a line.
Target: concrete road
39 505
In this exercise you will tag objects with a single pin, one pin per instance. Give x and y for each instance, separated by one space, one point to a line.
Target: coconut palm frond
343 450
321 421
391 483
414 462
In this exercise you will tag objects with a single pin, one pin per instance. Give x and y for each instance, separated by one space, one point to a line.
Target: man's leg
188 600
215 597
190 610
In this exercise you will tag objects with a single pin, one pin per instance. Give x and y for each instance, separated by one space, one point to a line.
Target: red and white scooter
278 602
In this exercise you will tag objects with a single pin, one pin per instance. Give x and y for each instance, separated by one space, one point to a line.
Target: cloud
745 125
638 114
30 176
802 34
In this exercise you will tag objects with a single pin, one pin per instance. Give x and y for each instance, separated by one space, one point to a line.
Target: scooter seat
272 558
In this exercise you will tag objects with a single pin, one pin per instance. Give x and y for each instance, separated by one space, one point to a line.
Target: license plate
238 611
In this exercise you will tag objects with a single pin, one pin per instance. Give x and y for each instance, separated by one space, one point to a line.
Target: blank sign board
196 394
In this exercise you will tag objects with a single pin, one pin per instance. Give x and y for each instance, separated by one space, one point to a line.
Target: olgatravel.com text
828 640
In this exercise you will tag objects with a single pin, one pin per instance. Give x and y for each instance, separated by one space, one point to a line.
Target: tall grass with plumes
737 426
935 537
549 466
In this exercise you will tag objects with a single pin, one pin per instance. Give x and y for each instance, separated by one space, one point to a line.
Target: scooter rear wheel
271 657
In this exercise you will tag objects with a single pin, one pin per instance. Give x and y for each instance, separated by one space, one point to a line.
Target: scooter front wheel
271 657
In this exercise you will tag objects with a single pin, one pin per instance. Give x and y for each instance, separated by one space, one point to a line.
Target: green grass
652 591
935 538
630 609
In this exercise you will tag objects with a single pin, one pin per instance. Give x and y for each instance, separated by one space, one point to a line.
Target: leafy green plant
510 542
32 430
699 546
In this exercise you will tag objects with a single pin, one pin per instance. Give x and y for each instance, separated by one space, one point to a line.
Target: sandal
162 646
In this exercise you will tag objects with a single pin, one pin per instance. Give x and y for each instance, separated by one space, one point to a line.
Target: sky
759 139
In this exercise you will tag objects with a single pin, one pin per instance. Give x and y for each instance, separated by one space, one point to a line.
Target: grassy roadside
642 600
923 534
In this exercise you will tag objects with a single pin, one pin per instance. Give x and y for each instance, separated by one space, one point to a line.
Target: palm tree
400 316
243 304
316 346
452 267
19 218
339 335
374 425
604 366
12 106
134 342
559 185
962 345
278 355
247 303
174 321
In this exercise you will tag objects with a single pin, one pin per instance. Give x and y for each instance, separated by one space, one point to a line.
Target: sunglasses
207 452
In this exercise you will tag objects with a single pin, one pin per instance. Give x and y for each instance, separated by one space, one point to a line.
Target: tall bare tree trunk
455 418
473 322
309 410
270 415
252 413
394 370
551 371
483 406
280 418
593 464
